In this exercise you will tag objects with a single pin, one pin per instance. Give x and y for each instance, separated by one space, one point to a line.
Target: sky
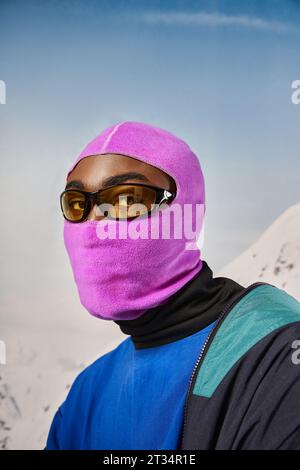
217 74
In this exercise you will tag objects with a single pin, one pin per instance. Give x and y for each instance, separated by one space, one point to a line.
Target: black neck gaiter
192 308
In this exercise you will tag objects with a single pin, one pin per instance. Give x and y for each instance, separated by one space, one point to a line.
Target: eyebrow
112 180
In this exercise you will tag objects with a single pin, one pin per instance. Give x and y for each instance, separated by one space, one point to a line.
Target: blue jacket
129 399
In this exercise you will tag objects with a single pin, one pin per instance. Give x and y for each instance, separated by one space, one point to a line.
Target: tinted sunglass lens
73 204
128 201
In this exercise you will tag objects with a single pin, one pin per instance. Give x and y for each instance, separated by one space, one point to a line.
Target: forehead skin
94 170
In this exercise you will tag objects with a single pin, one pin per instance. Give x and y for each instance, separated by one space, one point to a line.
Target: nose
95 213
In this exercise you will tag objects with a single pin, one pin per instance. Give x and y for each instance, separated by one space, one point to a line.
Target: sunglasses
119 202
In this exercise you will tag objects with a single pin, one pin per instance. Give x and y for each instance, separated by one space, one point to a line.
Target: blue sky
216 73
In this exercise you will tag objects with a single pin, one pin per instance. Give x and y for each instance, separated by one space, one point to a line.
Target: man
208 363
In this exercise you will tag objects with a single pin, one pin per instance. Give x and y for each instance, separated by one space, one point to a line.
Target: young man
208 364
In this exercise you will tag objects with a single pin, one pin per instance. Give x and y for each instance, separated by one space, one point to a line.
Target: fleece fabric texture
119 278
129 399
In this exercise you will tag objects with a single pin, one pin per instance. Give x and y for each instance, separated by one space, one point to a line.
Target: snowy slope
41 365
274 257
50 339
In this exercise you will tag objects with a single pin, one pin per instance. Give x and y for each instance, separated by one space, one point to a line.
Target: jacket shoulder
264 310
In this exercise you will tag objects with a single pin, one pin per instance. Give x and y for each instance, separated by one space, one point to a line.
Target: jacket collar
192 308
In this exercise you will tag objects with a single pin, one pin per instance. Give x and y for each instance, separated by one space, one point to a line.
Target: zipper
208 341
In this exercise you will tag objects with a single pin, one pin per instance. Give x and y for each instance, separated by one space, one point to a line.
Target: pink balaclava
119 279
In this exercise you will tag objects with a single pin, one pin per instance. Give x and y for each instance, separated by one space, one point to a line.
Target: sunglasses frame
162 195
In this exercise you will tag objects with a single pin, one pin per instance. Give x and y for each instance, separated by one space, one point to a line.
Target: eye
77 205
124 199
128 201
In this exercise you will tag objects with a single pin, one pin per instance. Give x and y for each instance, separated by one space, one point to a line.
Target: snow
41 365
274 257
